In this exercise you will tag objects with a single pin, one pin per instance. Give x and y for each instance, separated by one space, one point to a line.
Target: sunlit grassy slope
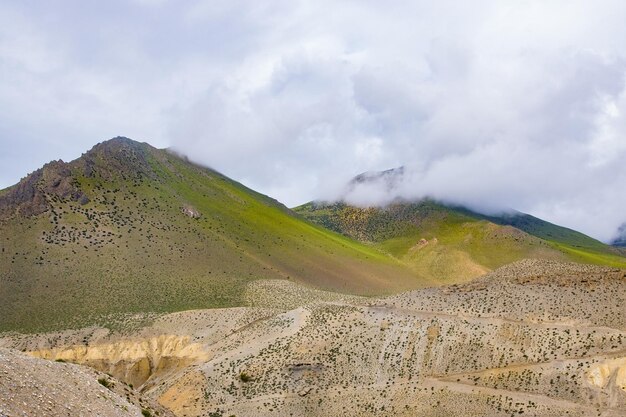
450 244
106 234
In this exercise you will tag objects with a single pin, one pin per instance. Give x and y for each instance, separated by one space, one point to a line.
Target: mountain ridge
451 242
391 178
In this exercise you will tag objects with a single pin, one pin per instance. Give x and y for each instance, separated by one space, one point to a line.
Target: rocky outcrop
32 195
131 360
609 375
35 387
190 212
116 158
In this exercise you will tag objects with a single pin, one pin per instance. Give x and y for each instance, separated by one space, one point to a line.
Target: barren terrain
536 338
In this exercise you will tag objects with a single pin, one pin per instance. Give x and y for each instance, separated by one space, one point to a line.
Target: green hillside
129 228
542 229
452 244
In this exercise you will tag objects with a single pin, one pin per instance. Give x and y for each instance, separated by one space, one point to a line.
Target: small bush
145 412
105 383
245 377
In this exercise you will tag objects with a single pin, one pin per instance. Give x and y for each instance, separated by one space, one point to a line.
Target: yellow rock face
600 375
132 361
182 397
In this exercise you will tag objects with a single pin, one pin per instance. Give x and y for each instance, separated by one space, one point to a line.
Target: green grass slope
450 244
575 245
129 228
542 229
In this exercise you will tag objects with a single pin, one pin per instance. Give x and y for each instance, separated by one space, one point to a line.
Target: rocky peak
117 158
383 184
30 196
390 176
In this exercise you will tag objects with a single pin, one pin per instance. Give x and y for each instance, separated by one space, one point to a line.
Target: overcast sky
493 104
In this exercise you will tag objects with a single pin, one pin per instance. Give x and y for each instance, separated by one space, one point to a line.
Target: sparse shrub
105 383
145 412
245 377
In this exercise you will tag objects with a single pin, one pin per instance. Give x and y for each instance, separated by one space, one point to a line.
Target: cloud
489 104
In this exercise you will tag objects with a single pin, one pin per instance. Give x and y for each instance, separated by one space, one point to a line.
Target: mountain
448 244
389 178
100 256
620 240
128 228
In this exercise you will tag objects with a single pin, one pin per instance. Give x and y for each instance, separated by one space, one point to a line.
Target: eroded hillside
35 387
536 338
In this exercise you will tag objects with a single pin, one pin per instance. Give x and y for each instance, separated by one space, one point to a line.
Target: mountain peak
116 158
390 176
374 188
119 157
118 143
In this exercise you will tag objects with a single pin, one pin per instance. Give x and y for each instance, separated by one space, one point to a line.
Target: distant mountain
129 228
450 243
389 177
620 240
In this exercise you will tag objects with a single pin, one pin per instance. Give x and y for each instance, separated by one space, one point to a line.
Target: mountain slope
128 228
453 244
542 229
